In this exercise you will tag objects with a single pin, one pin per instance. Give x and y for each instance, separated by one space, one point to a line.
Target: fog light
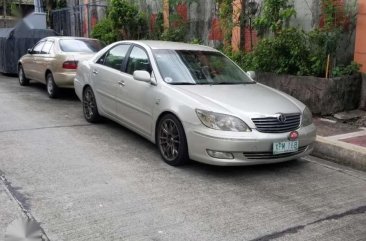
220 154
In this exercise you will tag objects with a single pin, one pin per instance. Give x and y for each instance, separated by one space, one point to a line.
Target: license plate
285 147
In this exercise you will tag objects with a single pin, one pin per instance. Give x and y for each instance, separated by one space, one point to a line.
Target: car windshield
80 45
198 67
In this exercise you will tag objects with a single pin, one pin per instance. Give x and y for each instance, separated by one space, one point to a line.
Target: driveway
103 182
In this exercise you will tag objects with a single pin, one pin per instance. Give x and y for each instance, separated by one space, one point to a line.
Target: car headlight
221 121
307 117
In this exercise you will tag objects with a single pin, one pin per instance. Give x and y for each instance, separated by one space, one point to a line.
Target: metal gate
78 20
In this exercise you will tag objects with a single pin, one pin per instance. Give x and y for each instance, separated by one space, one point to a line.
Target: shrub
287 53
350 69
104 31
177 31
127 20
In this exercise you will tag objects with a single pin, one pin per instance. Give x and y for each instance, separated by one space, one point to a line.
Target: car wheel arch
86 86
46 73
162 114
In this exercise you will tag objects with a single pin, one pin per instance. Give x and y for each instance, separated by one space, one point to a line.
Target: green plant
350 69
104 31
127 20
275 14
158 27
177 31
196 41
287 53
14 10
174 34
226 18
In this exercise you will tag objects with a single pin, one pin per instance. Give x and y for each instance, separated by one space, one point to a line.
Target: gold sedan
54 60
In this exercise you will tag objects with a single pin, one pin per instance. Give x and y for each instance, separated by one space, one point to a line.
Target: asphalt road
103 182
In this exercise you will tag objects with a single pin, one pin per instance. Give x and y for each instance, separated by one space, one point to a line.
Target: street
103 182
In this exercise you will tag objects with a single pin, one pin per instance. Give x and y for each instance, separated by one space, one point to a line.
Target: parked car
54 60
194 103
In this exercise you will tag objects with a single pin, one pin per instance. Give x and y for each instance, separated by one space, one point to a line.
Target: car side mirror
142 75
251 74
29 51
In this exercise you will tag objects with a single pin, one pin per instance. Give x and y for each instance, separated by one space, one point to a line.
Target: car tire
90 108
23 80
171 141
52 89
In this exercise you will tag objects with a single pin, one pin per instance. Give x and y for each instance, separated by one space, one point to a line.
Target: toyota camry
194 103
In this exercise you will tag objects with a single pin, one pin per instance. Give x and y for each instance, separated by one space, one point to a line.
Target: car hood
250 100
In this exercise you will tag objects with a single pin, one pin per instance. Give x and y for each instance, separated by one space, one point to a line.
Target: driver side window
138 60
114 57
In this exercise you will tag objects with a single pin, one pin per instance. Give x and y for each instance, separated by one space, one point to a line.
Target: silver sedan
194 103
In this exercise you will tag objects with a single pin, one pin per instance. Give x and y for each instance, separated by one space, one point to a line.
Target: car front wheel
171 140
23 81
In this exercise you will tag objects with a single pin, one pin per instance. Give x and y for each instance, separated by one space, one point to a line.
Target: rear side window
47 47
38 48
80 45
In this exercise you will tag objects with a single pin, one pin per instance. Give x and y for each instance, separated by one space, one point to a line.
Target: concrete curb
340 152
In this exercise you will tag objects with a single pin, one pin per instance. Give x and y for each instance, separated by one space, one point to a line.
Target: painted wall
360 46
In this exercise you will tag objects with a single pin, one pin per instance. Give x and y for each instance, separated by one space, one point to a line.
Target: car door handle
95 71
121 83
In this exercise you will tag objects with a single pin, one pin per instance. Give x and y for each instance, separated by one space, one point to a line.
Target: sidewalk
341 143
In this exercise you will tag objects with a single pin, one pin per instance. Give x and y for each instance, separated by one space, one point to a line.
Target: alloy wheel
169 140
89 104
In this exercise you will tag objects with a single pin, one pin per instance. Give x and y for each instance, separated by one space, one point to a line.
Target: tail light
70 65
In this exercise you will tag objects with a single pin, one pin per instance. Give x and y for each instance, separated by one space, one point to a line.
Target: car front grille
270 155
274 125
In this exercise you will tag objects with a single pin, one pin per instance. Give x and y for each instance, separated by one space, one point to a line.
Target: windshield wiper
232 83
182 83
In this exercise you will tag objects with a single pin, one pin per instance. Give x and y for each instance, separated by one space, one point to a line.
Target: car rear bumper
247 148
64 79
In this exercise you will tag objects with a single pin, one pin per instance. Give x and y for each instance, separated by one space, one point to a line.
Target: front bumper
257 144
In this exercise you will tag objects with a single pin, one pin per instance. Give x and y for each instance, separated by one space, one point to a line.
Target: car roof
153 44
65 37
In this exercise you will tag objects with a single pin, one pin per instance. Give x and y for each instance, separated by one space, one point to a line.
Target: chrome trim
272 124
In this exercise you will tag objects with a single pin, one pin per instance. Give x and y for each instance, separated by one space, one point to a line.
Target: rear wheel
23 81
52 89
90 108
171 140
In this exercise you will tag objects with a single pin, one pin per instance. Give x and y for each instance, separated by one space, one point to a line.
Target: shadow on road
200 168
65 94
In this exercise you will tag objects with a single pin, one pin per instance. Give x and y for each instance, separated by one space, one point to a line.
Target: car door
39 68
137 97
44 60
29 64
107 77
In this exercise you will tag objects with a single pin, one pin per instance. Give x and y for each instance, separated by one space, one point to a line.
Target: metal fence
78 20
